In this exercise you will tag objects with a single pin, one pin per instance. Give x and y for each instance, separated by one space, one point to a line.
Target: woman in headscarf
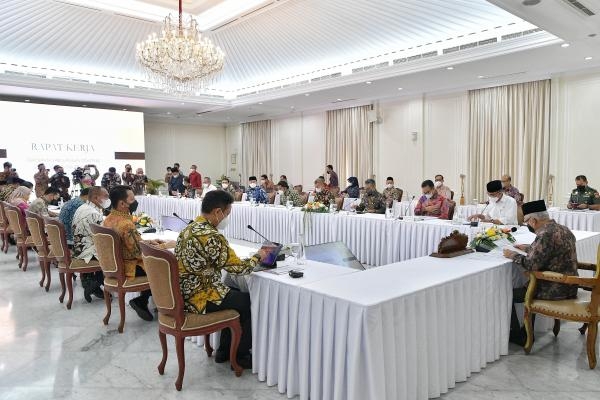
352 190
20 198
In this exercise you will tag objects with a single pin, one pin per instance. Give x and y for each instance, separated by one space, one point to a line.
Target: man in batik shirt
371 201
203 254
552 250
286 194
431 203
391 193
510 190
67 212
322 194
41 180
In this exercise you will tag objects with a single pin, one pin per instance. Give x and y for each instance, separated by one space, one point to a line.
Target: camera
77 175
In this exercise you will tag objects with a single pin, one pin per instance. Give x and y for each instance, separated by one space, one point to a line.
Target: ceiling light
481 77
368 82
124 109
339 100
260 104
400 88
27 100
565 45
449 68
530 2
307 94
588 58
291 106
84 105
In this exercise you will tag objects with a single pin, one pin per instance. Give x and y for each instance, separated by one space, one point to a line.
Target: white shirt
504 210
207 189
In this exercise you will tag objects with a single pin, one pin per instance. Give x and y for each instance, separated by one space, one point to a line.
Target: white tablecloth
577 220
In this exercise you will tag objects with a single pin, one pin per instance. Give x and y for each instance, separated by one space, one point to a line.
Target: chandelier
180 61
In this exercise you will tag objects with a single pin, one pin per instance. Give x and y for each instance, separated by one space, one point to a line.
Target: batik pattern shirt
588 196
67 212
6 190
122 223
513 192
435 200
373 202
552 250
203 253
41 180
324 196
83 245
293 196
390 195
258 194
110 180
62 183
139 184
39 206
353 192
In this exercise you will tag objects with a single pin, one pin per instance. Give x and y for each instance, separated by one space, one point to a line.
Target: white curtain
509 133
256 149
349 143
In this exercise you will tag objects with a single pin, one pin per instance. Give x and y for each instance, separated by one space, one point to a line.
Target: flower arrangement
142 220
315 207
484 241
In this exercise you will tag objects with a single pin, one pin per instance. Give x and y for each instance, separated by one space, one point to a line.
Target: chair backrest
57 240
237 196
3 220
16 220
298 188
173 223
303 198
401 194
347 202
452 195
271 197
37 230
108 250
162 270
451 208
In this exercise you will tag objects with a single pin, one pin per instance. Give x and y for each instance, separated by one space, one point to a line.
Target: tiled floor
48 352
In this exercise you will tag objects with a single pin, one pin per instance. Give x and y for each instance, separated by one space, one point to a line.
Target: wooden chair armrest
564 279
586 266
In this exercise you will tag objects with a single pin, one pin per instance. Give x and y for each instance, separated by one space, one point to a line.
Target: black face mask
581 188
133 206
530 228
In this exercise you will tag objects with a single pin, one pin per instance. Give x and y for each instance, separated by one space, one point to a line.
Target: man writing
501 210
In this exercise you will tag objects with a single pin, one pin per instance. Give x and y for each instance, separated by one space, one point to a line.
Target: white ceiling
274 54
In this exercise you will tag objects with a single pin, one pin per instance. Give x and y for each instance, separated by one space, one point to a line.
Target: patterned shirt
513 192
67 212
588 196
552 250
435 200
83 245
122 224
39 206
128 178
110 180
139 184
444 191
333 180
390 195
62 183
293 196
324 196
203 253
372 202
6 190
41 180
258 194
353 192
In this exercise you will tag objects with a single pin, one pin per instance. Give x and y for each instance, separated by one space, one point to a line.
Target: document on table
513 248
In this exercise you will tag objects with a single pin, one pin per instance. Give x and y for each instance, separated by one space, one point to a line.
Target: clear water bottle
301 257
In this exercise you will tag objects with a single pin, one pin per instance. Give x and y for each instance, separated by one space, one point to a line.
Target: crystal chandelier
181 61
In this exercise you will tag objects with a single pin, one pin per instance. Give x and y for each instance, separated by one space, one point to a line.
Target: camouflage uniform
292 196
230 189
589 196
552 250
391 194
372 201
325 197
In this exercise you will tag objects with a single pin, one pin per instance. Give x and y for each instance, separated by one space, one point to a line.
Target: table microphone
181 219
259 234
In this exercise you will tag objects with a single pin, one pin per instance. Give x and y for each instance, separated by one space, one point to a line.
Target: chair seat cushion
198 321
79 263
569 309
129 282
28 240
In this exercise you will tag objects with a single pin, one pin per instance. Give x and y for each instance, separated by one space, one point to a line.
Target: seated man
203 253
227 186
256 192
40 205
123 204
266 184
371 201
552 250
391 193
83 246
207 186
442 189
432 204
67 212
501 209
283 189
509 189
583 196
322 194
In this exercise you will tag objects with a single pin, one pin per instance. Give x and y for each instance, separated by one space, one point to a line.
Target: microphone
181 219
259 234
407 208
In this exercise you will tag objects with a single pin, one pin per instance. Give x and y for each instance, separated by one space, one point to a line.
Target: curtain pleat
256 148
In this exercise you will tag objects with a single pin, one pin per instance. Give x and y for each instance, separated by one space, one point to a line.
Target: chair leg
529 330
583 328
163 344
108 308
48 275
179 342
207 346
591 343
43 268
20 255
556 328
61 277
122 310
25 257
69 289
236 335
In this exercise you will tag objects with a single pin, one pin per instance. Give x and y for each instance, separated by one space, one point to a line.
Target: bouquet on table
485 241
142 220
315 207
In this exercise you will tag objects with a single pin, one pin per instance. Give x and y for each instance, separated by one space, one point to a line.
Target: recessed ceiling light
84 105
307 94
368 82
339 100
565 45
124 109
183 104
449 68
481 77
588 58
400 88
530 2
168 112
260 104
27 100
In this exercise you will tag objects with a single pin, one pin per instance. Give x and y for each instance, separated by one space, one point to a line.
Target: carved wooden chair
5 230
163 274
37 228
17 223
108 249
451 209
68 266
582 309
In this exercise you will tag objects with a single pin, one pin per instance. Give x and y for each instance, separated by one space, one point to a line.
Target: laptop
335 253
269 262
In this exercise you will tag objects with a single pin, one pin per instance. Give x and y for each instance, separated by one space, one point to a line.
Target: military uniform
229 189
324 196
372 201
391 194
293 196
588 196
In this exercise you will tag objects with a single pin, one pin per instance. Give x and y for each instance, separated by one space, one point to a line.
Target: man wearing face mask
371 201
195 181
583 196
391 193
139 182
431 203
510 190
552 250
227 186
266 184
41 180
285 194
207 186
501 210
322 193
333 177
127 176
256 192
61 182
203 254
68 210
83 246
123 204
176 182
442 189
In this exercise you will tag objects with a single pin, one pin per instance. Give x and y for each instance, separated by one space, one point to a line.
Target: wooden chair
339 202
37 228
163 274
57 238
585 308
17 223
271 197
452 195
299 188
108 249
237 196
451 208
401 194
5 230
303 198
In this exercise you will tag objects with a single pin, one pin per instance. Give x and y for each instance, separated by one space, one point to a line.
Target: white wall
170 142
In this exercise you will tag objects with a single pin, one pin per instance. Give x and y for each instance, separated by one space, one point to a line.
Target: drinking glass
332 208
289 205
295 250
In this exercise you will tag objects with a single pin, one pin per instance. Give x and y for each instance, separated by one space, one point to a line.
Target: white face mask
253 185
437 184
105 203
492 200
389 186
205 185
318 190
428 196
225 185
223 224
280 192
